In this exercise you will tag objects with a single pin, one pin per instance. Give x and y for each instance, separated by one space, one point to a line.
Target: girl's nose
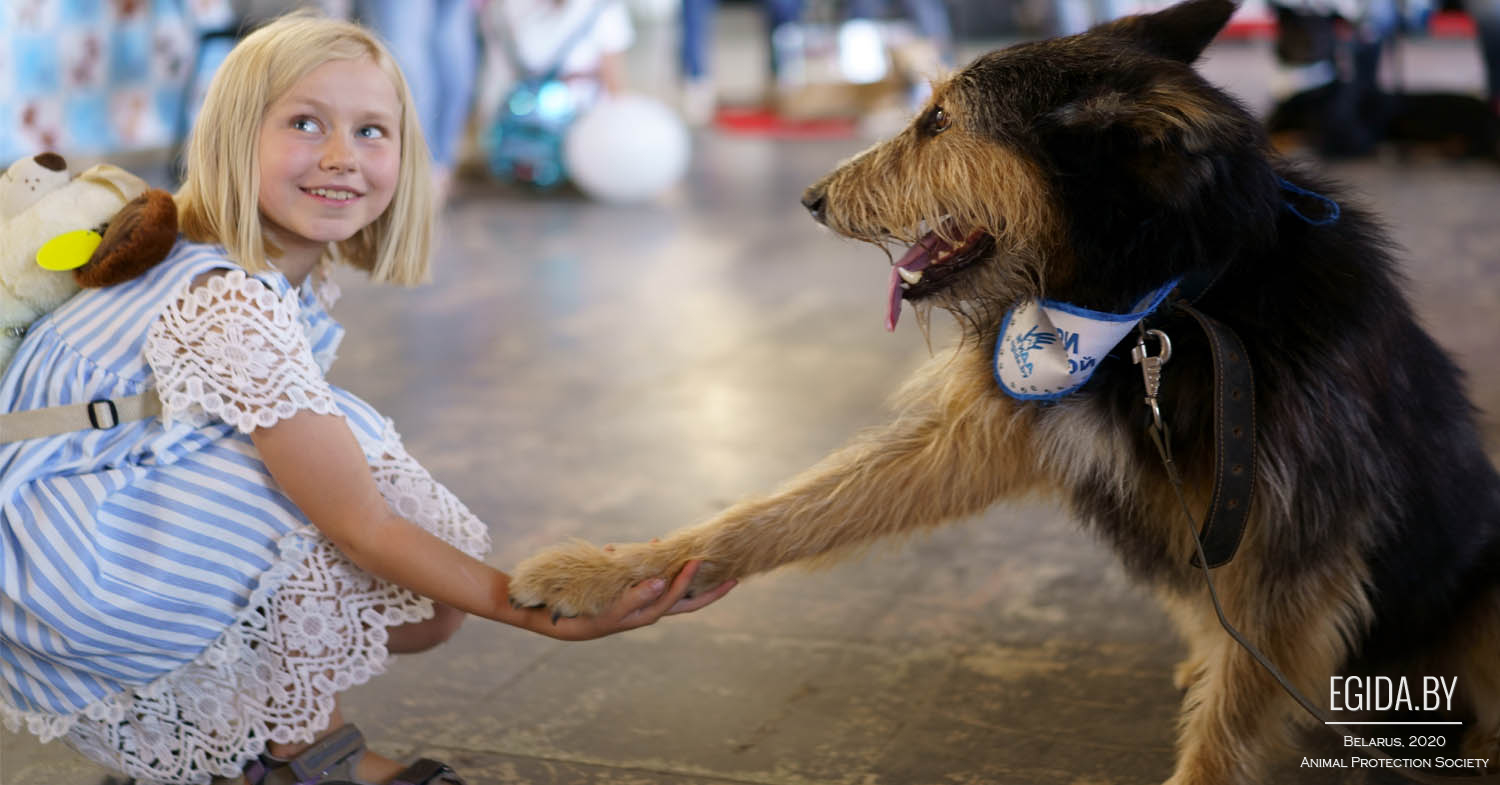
338 154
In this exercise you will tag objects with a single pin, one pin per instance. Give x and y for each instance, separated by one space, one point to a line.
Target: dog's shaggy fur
1092 169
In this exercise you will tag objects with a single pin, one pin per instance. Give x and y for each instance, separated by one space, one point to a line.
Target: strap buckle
1151 365
103 415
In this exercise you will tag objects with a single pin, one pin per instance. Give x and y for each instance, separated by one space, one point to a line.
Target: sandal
331 761
427 771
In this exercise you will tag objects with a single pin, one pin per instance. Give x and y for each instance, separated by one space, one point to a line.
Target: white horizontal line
1393 723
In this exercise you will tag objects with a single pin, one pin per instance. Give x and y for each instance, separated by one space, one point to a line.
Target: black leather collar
1234 439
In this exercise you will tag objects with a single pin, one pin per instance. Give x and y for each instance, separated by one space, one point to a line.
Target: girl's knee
446 622
423 635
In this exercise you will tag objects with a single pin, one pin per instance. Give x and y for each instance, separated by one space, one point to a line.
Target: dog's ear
1160 135
1180 32
138 237
1155 115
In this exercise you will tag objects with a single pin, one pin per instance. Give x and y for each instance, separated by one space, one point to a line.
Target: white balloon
627 148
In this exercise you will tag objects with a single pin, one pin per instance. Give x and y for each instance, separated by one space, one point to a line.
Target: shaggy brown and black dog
1092 170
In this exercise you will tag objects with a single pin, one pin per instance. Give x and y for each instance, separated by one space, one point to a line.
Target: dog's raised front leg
958 448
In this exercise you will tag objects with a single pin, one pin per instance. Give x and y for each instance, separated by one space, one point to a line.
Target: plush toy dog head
100 228
28 180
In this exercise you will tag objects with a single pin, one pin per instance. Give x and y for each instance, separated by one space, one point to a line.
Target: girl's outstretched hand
641 605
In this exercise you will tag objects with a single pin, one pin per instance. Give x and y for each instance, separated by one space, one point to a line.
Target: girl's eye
306 124
372 132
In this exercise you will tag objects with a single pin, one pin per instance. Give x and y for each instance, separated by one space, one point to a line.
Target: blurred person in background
585 40
436 44
1328 84
1076 16
1340 107
699 94
1486 14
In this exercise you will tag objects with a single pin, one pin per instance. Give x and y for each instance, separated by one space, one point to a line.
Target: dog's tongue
917 258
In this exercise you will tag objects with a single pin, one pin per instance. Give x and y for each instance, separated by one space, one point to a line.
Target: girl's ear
1180 32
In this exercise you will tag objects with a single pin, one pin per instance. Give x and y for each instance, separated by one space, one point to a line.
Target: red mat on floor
762 121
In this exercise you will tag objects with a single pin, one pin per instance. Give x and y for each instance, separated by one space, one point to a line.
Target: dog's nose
814 200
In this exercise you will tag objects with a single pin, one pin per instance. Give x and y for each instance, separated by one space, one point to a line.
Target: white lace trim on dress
315 626
232 349
324 288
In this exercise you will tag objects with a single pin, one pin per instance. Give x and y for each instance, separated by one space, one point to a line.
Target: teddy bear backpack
59 234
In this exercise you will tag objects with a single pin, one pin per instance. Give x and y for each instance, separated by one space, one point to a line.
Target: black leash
1234 430
1234 473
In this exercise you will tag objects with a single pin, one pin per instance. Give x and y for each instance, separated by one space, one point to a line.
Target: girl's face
330 154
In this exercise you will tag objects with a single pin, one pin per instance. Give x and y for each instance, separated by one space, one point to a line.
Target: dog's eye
937 120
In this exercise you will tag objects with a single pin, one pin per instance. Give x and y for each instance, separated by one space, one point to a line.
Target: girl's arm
321 468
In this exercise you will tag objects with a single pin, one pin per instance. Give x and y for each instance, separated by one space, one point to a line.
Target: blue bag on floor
525 143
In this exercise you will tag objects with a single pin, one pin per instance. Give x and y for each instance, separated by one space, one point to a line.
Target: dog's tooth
909 276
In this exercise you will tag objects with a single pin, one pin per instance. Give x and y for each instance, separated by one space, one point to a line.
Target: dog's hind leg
1235 716
1479 676
953 451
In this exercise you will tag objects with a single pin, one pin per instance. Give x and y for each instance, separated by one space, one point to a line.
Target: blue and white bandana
1048 349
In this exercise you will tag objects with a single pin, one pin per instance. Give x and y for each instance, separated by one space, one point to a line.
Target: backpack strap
99 415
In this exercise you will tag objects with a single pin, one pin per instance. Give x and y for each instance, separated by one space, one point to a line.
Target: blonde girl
183 597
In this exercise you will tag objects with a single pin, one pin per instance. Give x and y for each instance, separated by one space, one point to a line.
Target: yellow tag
70 250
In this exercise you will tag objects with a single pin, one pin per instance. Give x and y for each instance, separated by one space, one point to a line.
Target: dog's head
1090 169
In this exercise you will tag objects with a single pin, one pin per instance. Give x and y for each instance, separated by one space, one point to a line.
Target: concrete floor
615 373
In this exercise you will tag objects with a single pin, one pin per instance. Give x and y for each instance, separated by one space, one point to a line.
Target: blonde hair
219 198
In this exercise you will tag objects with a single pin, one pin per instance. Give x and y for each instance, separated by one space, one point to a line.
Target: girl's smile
330 156
332 195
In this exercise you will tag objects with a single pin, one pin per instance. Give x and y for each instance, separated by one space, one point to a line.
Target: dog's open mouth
930 265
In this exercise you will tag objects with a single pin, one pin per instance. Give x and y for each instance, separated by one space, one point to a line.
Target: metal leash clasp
1151 365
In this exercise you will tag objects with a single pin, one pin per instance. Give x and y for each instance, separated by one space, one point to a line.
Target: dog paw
579 579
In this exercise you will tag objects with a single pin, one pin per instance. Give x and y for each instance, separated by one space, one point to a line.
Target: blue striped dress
163 606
